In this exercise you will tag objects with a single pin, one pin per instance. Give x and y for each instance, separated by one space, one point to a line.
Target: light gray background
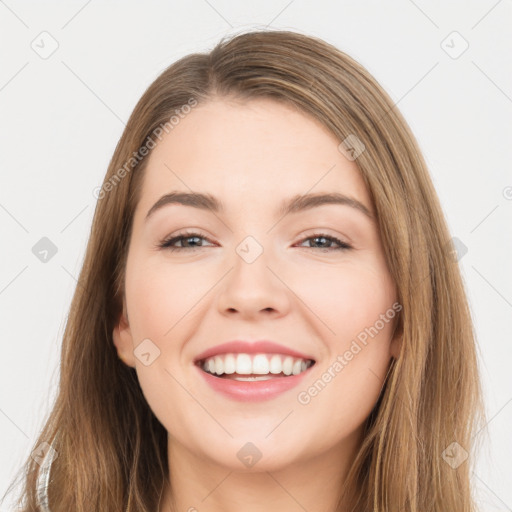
61 117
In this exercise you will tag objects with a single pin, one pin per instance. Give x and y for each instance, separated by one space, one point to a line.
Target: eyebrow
295 204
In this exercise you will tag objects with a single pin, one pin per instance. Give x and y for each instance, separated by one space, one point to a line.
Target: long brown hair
112 451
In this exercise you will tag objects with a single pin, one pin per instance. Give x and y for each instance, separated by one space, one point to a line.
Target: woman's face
255 269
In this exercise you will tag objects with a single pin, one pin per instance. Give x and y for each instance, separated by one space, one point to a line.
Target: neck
201 485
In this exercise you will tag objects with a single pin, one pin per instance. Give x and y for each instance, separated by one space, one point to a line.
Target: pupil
191 238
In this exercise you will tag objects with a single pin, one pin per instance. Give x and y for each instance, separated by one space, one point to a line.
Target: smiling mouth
254 367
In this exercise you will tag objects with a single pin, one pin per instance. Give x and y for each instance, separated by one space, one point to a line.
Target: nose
253 289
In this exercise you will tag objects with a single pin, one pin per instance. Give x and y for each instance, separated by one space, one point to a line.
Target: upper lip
250 347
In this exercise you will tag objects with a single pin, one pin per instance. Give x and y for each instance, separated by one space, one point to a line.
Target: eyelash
167 243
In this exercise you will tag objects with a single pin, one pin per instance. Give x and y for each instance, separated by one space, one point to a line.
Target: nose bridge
251 286
251 265
250 249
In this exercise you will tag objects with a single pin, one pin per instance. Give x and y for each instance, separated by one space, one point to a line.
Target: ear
123 339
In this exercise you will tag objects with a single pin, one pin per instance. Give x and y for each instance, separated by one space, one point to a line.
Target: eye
168 243
329 239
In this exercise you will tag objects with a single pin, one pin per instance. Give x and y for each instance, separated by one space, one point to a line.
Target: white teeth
275 364
260 365
219 365
288 365
229 364
249 379
243 364
257 364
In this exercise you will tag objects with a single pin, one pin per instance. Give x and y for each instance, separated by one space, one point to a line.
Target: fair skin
252 156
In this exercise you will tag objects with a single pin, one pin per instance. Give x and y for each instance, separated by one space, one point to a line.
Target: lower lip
252 391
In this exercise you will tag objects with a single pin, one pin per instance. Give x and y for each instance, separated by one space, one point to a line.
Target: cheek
356 304
347 299
158 301
159 296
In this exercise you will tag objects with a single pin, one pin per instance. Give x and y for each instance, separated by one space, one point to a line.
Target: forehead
250 152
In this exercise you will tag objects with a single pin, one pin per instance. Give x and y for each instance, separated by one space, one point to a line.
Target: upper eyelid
313 234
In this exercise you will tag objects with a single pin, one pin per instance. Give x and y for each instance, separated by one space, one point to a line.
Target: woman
269 314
